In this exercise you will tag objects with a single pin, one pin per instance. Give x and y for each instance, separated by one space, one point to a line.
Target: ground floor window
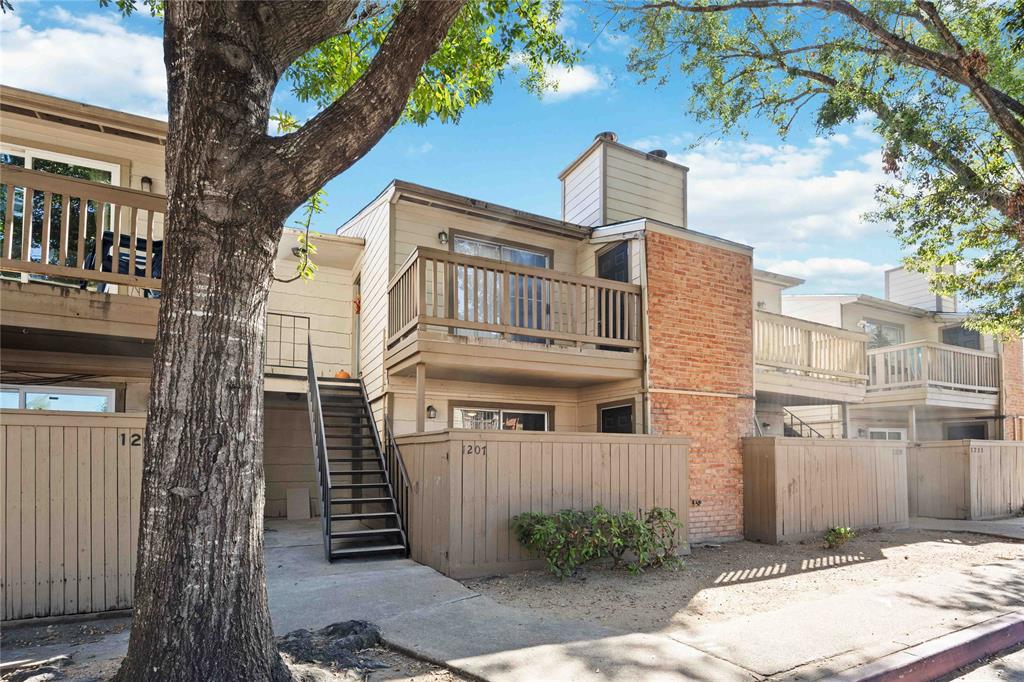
499 418
887 434
616 418
970 430
56 398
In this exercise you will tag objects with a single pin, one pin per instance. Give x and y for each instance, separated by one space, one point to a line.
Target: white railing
809 348
480 295
925 363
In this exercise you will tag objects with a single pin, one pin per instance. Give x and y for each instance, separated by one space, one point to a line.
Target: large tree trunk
200 592
201 608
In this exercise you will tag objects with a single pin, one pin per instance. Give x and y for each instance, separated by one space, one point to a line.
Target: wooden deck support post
421 397
912 424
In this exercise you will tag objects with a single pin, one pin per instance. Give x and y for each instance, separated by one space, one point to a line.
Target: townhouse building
610 355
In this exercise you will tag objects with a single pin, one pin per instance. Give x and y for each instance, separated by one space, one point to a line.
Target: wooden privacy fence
796 488
484 295
966 479
809 348
52 224
468 485
70 511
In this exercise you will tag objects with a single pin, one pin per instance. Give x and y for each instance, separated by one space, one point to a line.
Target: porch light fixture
147 183
442 237
431 412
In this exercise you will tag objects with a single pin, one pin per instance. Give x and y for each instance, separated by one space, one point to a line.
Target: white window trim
501 414
30 153
902 432
109 393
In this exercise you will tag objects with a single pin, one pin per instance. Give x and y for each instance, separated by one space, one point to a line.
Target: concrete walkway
431 616
1001 528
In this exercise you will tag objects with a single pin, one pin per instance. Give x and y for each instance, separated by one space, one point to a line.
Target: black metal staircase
362 497
794 426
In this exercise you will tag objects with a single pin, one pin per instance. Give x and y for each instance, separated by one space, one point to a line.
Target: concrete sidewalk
1000 528
426 614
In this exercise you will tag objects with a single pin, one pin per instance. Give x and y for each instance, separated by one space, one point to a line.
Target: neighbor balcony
928 373
799 362
479 319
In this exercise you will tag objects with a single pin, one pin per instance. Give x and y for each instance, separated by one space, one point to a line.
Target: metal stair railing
317 433
798 425
395 474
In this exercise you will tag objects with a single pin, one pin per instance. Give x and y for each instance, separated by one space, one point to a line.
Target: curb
942 655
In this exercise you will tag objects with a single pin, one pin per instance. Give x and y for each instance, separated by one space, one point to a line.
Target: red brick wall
700 336
1013 390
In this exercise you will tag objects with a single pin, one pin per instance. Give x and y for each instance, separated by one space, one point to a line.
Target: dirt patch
742 578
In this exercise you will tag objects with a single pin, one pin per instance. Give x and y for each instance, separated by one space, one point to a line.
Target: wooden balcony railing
483 296
924 363
52 225
809 348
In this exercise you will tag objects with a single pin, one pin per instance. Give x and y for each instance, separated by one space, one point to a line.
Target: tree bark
201 610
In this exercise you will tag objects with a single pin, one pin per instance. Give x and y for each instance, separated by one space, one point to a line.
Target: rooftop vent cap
660 153
607 135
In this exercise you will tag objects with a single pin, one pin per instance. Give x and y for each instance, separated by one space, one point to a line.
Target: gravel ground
717 583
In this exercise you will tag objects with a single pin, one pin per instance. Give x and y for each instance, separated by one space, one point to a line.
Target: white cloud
574 81
418 149
840 275
781 198
91 58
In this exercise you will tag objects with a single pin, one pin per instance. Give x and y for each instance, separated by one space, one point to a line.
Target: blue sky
798 202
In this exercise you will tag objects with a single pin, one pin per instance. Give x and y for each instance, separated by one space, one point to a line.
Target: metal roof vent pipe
607 135
660 153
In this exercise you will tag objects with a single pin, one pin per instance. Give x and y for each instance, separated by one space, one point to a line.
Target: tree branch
342 133
291 28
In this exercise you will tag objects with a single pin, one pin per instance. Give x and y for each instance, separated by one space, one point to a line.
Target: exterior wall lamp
147 183
431 412
442 237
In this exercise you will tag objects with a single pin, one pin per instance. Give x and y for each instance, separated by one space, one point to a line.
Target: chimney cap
660 153
607 135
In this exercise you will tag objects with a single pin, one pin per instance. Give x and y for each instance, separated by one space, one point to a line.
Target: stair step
363 532
350 447
355 472
352 486
361 500
364 515
372 549
336 460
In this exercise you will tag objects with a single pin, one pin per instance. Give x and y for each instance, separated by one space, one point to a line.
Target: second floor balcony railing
807 348
923 364
483 297
64 229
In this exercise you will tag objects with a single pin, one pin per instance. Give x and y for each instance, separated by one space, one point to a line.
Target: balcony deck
479 319
797 362
934 374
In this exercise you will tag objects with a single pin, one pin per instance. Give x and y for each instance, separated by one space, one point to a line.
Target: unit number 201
476 449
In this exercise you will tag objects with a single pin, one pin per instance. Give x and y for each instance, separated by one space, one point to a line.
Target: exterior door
612 264
617 419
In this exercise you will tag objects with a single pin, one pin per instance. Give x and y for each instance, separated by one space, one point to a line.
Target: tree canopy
942 83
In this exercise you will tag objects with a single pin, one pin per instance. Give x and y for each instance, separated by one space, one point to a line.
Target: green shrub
570 538
840 535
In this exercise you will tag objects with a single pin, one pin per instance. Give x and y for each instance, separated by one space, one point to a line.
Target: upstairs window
881 334
959 336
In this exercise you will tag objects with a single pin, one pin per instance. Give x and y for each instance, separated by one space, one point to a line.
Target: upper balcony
98 314
799 362
928 373
480 319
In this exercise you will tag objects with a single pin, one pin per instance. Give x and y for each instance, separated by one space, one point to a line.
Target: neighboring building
457 313
929 377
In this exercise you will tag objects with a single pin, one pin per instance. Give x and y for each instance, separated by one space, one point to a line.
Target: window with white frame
887 434
57 398
881 334
60 164
499 419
